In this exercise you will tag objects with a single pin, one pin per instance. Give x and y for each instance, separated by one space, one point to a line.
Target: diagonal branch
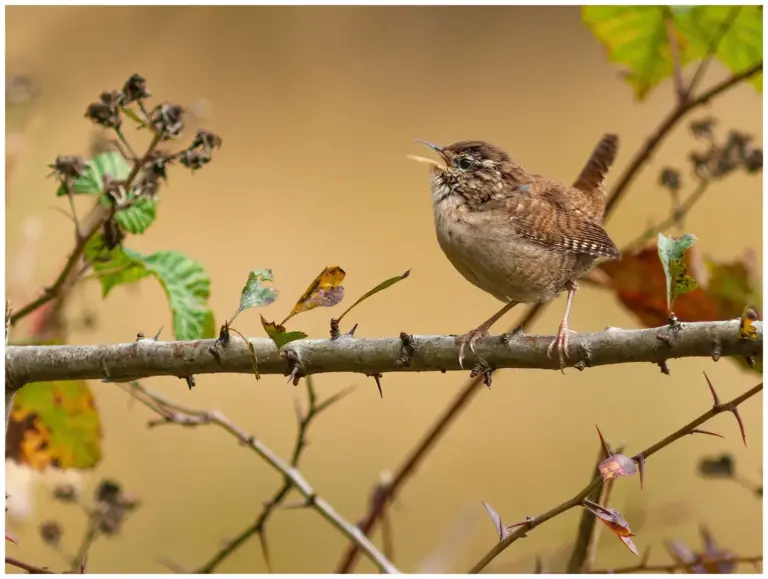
145 358
472 387
174 413
579 497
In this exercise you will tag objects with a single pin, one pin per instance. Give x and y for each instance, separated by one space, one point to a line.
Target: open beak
437 148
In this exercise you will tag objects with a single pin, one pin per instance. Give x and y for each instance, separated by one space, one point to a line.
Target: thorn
157 335
351 332
407 350
295 371
712 390
735 412
664 367
666 340
641 468
265 549
699 431
602 441
674 323
750 361
191 383
377 377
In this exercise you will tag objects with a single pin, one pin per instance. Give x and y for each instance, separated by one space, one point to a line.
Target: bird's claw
561 343
469 339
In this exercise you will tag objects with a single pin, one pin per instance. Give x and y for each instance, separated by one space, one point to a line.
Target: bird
519 236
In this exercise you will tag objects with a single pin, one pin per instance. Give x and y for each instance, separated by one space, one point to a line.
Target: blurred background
317 108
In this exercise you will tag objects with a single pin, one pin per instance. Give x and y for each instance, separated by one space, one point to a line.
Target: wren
519 236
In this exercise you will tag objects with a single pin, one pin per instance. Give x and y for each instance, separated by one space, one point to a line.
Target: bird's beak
437 148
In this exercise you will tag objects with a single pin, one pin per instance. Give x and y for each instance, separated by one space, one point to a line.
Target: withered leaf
615 521
324 291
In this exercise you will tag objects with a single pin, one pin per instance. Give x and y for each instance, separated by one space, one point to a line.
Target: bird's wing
545 212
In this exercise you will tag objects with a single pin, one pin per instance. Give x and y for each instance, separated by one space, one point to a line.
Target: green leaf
671 255
279 335
183 279
739 48
255 293
137 217
54 424
382 286
636 37
112 163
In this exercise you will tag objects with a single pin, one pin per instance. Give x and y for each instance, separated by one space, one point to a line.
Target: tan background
318 108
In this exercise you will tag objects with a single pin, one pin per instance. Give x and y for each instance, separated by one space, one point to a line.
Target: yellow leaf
326 291
747 329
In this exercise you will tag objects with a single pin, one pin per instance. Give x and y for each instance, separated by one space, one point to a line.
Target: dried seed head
194 160
135 88
107 112
108 492
51 532
207 140
167 120
670 178
69 167
702 128
66 493
753 161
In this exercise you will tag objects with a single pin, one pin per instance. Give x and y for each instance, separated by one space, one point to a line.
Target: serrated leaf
324 291
255 293
671 253
637 37
112 163
382 286
137 217
184 280
740 47
279 335
54 424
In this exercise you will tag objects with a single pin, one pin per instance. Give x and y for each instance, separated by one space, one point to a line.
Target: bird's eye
465 163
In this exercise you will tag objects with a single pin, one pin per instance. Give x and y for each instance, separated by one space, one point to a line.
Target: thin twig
472 387
91 534
672 219
174 413
26 566
680 566
258 527
579 497
145 358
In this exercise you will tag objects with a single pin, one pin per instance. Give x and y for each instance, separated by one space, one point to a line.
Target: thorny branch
681 566
173 413
472 387
259 527
144 358
578 498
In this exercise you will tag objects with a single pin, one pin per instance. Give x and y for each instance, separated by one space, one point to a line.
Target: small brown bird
521 237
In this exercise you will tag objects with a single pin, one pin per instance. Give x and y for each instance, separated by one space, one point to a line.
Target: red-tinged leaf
630 545
495 519
617 465
614 520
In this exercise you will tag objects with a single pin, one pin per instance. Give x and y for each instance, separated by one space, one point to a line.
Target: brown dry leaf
325 291
639 282
615 521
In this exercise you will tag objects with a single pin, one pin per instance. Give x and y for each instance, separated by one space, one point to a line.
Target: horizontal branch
146 358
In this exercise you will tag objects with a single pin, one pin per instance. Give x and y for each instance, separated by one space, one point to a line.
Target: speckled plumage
519 236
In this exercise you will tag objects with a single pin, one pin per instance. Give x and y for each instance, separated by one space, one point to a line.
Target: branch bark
146 358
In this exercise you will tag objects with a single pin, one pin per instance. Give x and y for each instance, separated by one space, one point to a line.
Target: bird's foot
560 342
469 339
